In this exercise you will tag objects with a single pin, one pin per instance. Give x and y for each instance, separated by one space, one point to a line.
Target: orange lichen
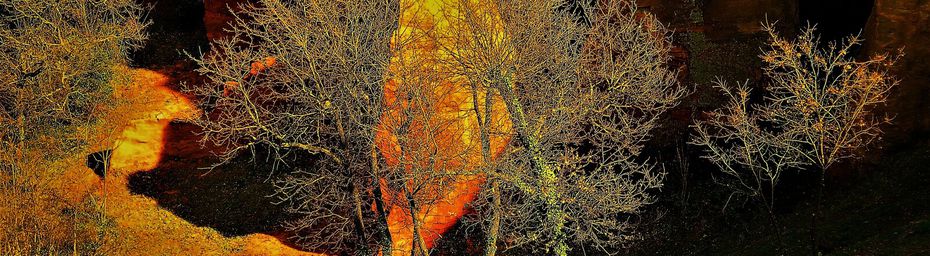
228 87
261 65
255 68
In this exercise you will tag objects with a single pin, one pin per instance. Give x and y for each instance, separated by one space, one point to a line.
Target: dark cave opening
835 19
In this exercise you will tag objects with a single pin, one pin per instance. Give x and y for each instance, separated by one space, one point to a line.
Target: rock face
722 18
218 14
740 16
904 23
720 38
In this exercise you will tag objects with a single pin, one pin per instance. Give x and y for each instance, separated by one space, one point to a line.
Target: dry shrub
820 107
59 61
36 221
315 109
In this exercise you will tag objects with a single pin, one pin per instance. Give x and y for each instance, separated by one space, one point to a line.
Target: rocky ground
141 221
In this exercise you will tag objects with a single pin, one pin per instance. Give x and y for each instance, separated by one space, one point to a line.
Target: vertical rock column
904 23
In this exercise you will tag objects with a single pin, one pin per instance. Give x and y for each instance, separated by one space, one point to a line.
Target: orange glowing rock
267 245
140 144
139 147
459 138
459 145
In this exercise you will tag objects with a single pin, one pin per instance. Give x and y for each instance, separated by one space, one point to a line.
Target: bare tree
62 75
581 99
307 77
819 108
578 133
824 97
752 156
58 63
425 150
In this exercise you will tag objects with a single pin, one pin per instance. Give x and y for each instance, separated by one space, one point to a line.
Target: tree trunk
381 213
363 248
490 242
484 121
418 245
547 180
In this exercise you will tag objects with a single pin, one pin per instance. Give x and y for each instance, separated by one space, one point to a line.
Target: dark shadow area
99 162
177 26
869 208
873 205
458 241
233 199
835 19
236 198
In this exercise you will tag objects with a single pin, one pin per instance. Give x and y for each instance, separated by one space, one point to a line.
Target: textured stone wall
726 17
905 23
